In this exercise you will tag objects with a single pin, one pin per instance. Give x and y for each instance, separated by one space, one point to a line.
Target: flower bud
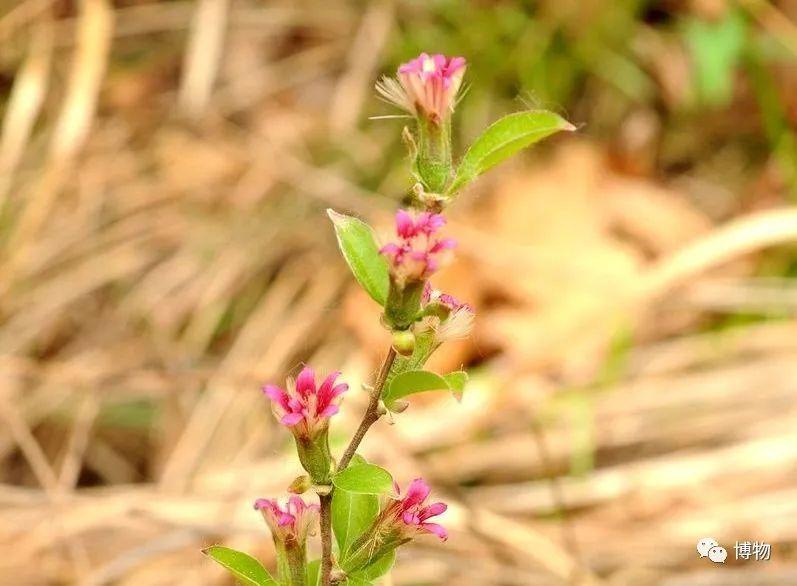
290 524
433 163
300 485
403 305
404 342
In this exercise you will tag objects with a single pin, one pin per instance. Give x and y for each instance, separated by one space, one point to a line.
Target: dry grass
164 252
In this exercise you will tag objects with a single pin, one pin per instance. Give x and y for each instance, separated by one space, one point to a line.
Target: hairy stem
326 538
371 413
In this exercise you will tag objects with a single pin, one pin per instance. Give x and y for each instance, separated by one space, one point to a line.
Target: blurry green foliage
716 49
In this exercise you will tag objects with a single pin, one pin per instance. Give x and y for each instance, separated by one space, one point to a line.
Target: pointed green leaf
377 569
352 514
503 139
244 567
456 382
411 382
358 245
357 459
364 479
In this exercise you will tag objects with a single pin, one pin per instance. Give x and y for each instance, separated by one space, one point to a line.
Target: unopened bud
300 484
403 342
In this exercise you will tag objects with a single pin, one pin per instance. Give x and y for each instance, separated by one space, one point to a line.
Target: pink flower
456 321
400 521
411 515
304 407
290 523
419 251
452 303
426 86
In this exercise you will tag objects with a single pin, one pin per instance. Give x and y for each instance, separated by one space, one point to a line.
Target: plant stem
371 413
326 538
325 500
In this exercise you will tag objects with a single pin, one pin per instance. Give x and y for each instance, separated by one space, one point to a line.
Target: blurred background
164 251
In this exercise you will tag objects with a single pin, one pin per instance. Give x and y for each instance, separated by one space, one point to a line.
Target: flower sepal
316 458
403 305
433 164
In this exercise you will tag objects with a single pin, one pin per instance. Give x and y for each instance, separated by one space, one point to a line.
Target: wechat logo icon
708 547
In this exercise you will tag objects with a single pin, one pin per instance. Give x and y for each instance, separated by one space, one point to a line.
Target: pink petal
404 224
390 249
338 391
417 492
413 65
296 504
286 519
291 419
454 65
443 244
277 395
329 411
433 510
326 387
435 222
438 530
305 382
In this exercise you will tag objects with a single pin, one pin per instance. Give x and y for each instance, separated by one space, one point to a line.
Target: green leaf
357 581
357 459
420 381
244 567
358 245
504 138
378 568
313 573
364 479
352 514
456 382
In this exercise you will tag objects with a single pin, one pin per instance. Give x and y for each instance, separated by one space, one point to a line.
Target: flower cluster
420 320
419 251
